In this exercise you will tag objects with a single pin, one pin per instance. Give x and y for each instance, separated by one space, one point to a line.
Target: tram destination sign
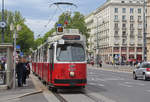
71 37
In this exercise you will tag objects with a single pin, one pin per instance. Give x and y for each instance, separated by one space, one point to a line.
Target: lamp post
15 29
96 40
2 23
144 31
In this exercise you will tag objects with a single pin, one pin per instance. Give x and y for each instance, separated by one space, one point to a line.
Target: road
109 86
104 85
117 86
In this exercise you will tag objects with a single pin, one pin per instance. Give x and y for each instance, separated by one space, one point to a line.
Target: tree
25 36
75 22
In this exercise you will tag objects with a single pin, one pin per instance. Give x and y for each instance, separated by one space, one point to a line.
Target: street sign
2 24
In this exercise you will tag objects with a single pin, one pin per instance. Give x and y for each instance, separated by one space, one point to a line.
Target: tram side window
45 53
51 54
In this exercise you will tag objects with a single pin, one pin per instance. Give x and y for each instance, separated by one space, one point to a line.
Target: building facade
148 30
117 30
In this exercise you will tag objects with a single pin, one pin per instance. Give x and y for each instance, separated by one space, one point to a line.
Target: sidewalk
29 93
116 68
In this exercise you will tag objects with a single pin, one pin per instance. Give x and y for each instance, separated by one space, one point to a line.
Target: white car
142 71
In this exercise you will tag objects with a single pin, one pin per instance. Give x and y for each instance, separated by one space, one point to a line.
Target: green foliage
25 36
75 22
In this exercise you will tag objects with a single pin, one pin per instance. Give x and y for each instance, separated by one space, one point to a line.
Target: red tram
61 61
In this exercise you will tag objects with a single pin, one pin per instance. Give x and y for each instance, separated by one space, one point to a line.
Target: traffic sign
2 24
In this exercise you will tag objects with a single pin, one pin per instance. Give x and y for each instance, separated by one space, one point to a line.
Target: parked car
142 71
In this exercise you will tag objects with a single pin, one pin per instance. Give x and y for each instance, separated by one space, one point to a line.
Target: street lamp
15 29
144 31
3 23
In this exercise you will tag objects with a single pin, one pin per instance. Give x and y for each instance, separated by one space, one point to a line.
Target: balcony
140 27
139 20
140 43
139 36
132 36
116 43
131 20
124 35
124 20
116 28
131 43
124 44
116 36
116 20
131 28
124 28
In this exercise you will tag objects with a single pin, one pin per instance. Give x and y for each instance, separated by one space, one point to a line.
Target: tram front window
70 52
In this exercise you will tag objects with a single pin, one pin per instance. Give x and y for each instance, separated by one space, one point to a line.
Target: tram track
95 99
59 97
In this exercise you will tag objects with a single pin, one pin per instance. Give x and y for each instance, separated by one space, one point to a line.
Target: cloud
38 26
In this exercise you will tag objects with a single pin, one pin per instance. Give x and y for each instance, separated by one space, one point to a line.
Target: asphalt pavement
118 86
106 84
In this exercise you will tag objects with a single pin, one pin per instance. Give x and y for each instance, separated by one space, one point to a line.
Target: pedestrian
19 72
24 72
28 69
100 63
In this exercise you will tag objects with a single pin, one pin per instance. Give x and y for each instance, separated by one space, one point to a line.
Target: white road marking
100 85
92 83
148 90
134 83
125 85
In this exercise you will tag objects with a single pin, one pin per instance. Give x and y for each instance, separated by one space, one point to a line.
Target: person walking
28 69
100 63
19 72
24 72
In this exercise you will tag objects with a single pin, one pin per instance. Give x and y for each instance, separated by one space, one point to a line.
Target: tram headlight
72 74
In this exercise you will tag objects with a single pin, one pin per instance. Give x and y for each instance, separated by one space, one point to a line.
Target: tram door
51 56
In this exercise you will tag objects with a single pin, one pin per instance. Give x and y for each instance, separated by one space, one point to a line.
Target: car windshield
146 65
70 52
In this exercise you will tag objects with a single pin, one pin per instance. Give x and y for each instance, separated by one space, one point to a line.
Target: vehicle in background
142 71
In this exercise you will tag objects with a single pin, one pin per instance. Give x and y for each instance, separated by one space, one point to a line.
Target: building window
116 17
131 33
139 10
116 25
123 10
116 10
131 26
116 32
139 32
131 18
123 25
131 10
124 41
139 18
123 33
122 1
123 17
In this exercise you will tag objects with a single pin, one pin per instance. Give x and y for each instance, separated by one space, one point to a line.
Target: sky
41 15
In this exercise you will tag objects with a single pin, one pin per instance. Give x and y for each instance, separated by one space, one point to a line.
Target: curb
23 95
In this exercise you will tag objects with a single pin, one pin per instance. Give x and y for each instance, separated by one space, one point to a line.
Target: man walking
19 71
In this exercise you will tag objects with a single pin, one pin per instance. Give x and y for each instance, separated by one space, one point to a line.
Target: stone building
116 30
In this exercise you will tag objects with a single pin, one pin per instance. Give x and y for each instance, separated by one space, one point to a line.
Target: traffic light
60 29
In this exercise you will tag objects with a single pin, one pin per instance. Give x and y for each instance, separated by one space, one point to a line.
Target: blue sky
38 13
